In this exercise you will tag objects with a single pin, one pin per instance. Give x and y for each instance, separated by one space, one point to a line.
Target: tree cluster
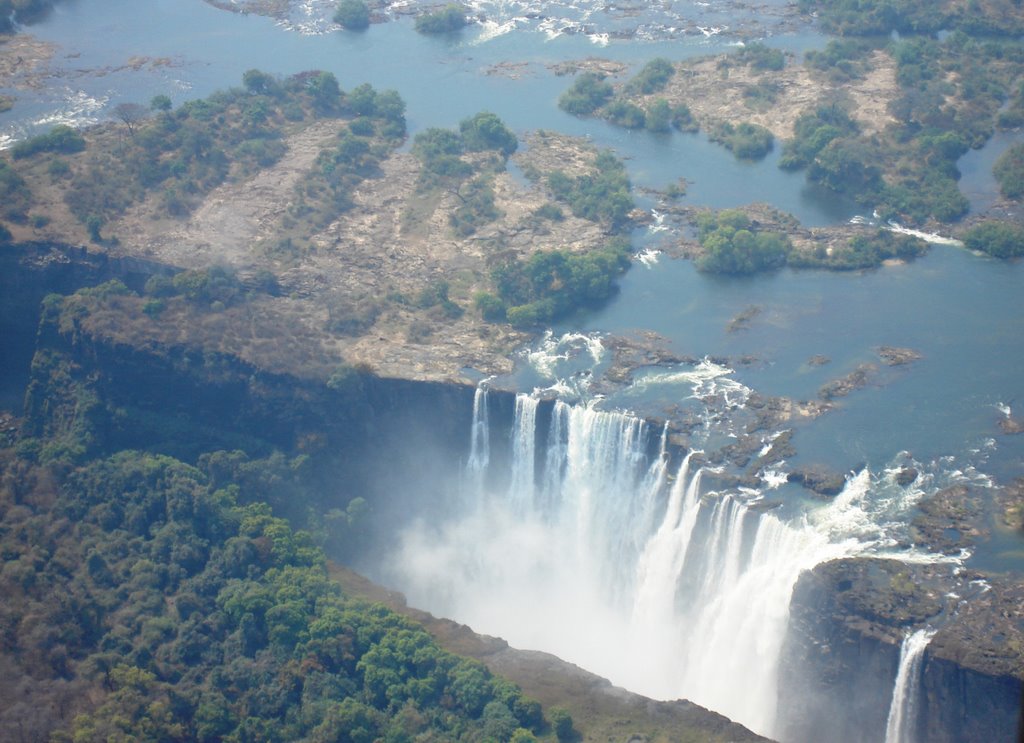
590 94
601 196
353 15
551 284
449 163
150 599
178 155
734 245
450 18
1009 172
745 140
998 239
882 17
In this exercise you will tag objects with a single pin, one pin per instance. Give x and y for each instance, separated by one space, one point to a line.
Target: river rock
819 479
893 356
905 476
949 521
855 380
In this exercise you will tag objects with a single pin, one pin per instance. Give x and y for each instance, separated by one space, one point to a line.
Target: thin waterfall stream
902 722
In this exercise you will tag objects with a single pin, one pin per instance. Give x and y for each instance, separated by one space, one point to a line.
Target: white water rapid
902 721
592 545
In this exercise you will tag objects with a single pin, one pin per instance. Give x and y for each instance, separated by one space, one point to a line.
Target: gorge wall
394 441
847 621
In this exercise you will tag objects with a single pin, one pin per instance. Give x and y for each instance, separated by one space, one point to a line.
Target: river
958 310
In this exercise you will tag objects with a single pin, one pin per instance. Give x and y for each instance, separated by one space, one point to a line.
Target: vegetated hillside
147 598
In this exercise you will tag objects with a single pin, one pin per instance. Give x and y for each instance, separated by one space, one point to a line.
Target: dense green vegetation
353 15
602 196
591 94
842 60
1009 171
14 194
147 598
953 93
813 131
551 284
448 19
880 17
652 78
588 92
757 56
745 140
625 114
733 244
862 251
61 138
189 612
450 164
178 155
998 239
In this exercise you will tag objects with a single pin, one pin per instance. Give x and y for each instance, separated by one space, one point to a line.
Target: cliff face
848 619
393 440
387 440
30 271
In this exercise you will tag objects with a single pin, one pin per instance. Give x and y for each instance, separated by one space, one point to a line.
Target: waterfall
479 442
521 491
588 547
902 722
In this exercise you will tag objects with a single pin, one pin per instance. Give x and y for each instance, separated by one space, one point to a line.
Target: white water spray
587 547
902 721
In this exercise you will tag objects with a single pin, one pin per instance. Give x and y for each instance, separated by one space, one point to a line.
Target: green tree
588 93
998 239
1009 171
562 723
652 78
160 103
353 15
658 117
448 19
325 91
485 131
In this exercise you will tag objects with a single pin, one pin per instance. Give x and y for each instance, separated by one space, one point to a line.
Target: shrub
1009 171
682 118
59 139
745 140
658 117
448 19
652 78
761 57
491 308
485 131
600 197
587 94
353 15
732 245
998 239
550 212
561 723
624 113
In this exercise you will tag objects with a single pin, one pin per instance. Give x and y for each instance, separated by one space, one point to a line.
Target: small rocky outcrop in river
819 479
